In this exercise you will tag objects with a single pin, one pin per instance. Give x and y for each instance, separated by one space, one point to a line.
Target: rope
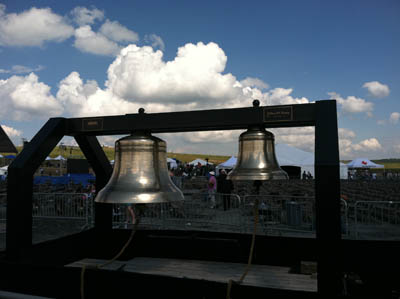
253 240
134 229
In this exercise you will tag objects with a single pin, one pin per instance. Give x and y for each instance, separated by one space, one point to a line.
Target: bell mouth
253 175
121 197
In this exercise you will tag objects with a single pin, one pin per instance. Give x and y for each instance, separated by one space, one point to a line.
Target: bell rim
134 198
257 177
261 174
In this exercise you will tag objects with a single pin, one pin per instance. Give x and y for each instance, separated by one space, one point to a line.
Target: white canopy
363 163
172 163
1 156
290 156
3 170
59 158
228 164
202 162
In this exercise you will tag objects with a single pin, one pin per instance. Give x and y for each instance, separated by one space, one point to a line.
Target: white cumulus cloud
381 122
21 69
367 145
352 104
24 98
73 92
282 96
349 149
87 99
211 136
89 41
155 41
84 16
254 82
377 89
394 117
11 132
396 148
346 133
32 27
118 33
301 137
194 77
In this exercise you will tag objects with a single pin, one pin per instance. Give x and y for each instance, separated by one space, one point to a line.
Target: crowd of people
217 184
187 170
371 175
221 186
306 176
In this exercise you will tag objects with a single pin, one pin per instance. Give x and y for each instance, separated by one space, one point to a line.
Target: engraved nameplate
92 124
281 113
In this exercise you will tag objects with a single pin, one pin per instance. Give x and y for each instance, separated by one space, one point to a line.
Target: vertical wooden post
327 198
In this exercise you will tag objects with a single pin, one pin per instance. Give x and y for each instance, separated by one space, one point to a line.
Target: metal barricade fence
377 220
3 212
344 212
62 206
280 215
78 206
177 180
285 215
196 212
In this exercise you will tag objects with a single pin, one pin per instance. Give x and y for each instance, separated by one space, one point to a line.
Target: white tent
363 163
291 156
202 162
3 170
1 156
59 158
288 155
228 164
172 163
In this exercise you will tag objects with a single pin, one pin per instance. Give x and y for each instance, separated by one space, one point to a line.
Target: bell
256 160
140 174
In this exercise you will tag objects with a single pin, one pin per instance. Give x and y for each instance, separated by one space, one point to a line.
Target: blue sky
79 58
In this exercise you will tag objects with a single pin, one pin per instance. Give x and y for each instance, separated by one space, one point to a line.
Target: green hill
76 153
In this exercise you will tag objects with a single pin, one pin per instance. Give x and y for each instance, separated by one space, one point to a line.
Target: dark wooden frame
321 114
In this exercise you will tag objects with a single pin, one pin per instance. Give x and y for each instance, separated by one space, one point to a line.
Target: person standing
220 182
212 188
224 187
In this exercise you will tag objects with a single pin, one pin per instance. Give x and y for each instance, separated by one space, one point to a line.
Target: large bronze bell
256 159
140 173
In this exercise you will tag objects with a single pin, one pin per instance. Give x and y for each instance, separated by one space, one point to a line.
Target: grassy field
75 152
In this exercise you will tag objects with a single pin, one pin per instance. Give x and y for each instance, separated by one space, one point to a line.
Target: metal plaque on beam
278 113
92 124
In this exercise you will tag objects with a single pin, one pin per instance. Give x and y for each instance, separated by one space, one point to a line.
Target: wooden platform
258 276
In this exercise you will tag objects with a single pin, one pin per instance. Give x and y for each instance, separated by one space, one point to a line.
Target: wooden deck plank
258 276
